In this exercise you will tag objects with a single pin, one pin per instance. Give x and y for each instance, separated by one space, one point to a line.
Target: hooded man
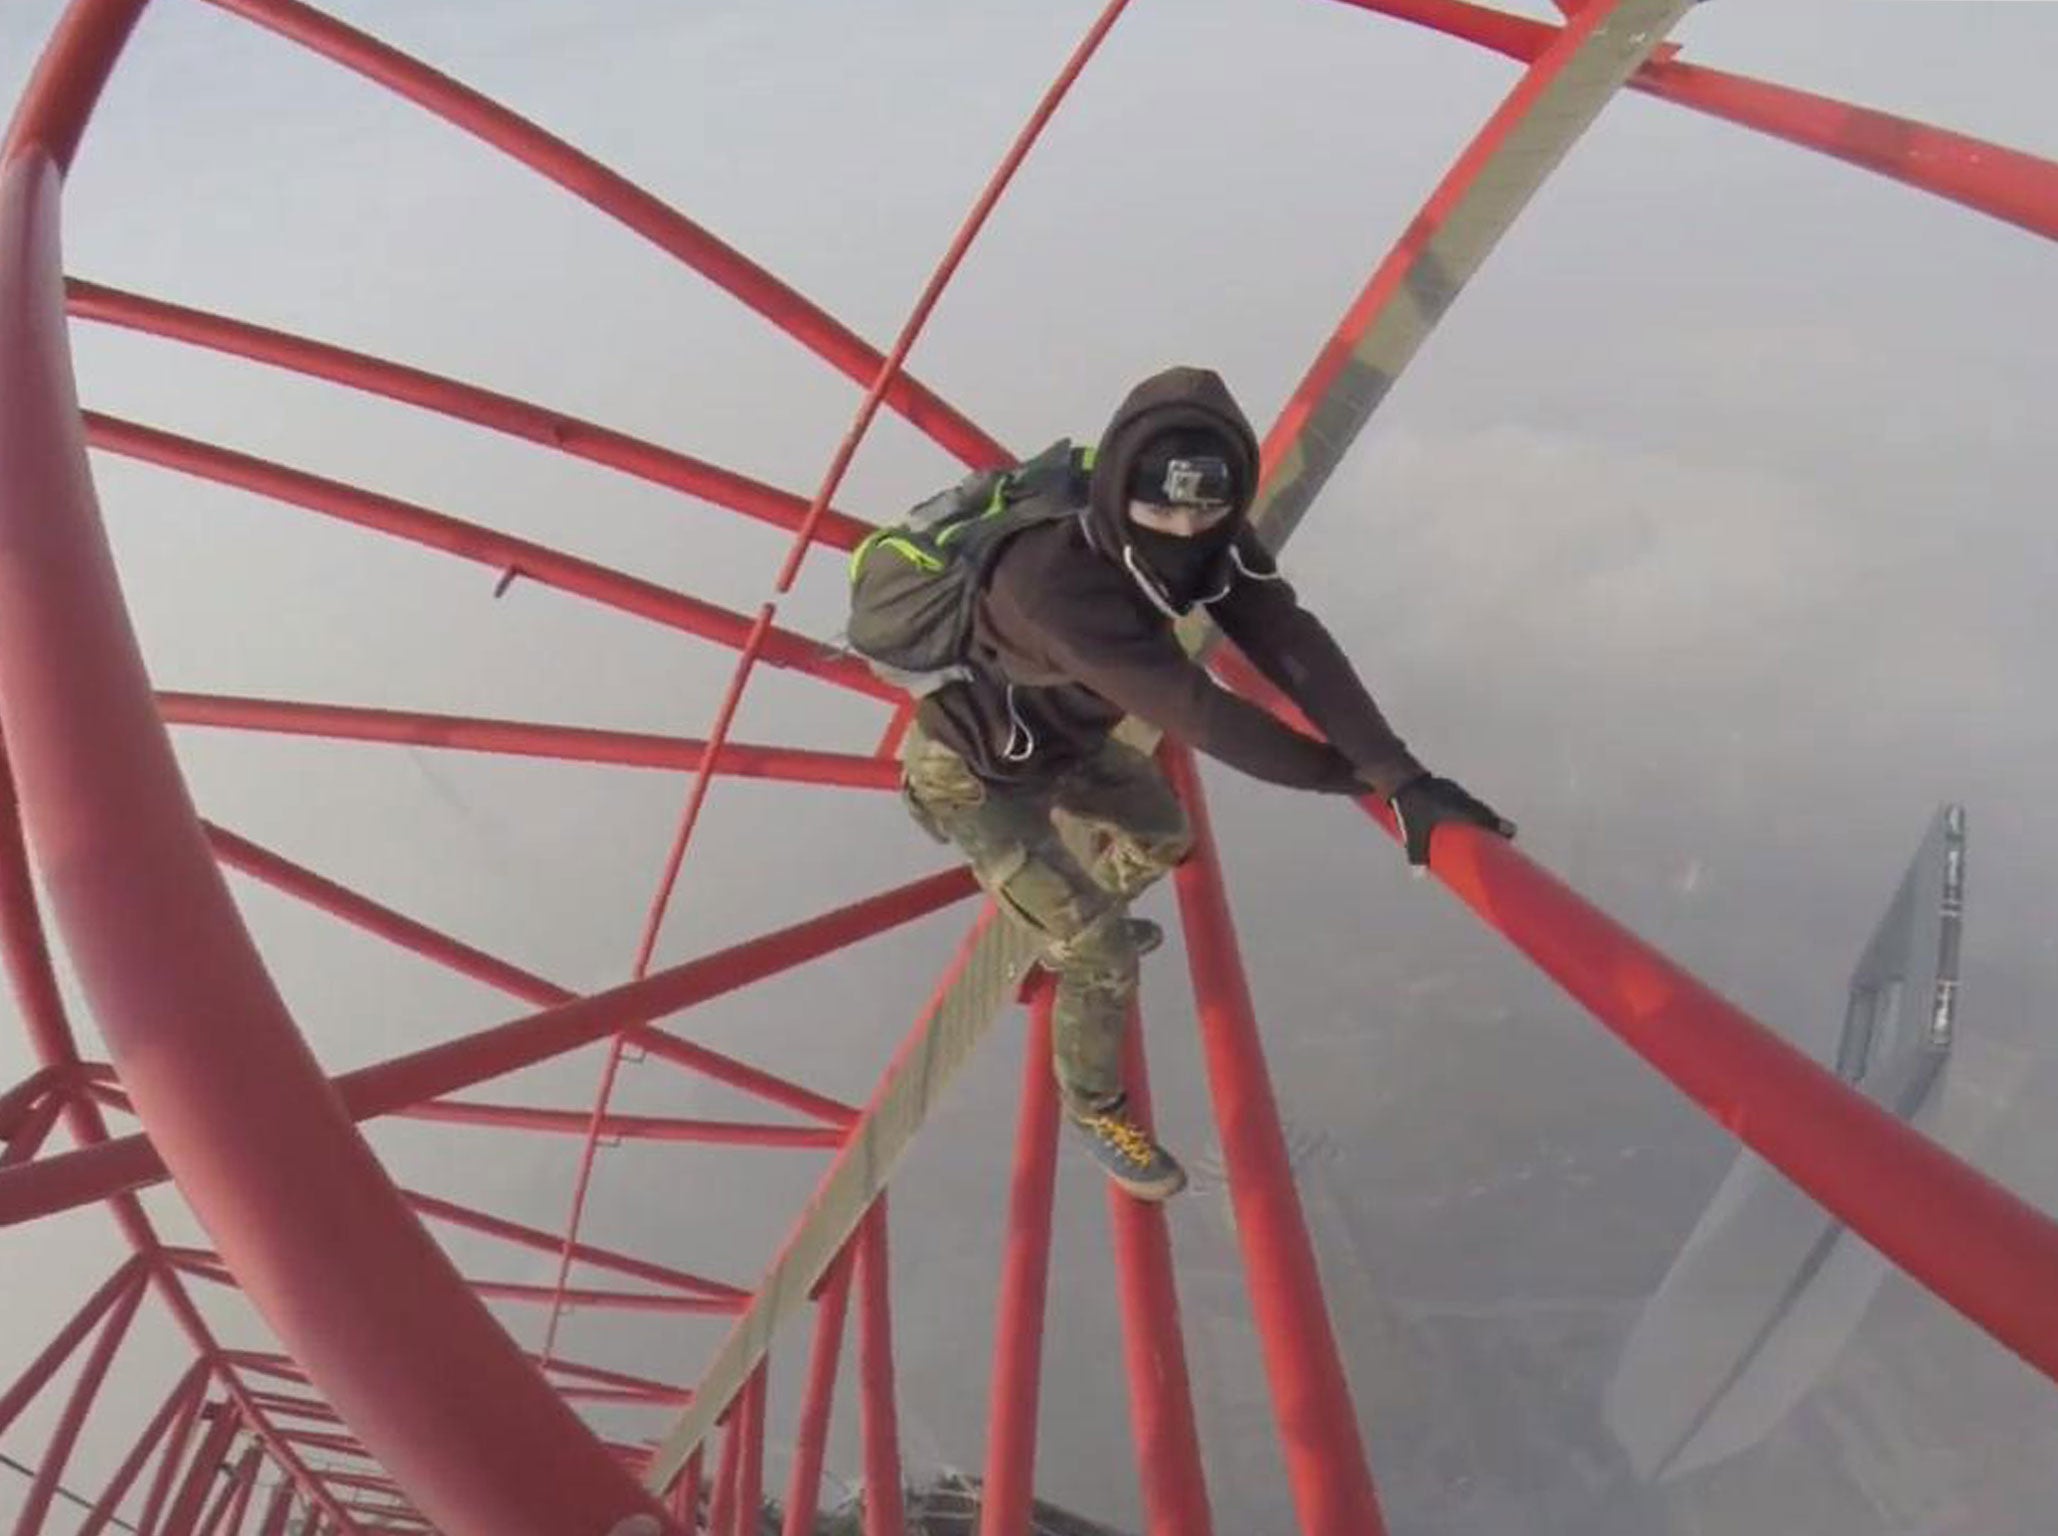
1062 823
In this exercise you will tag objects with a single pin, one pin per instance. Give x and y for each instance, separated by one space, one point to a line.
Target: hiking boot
1128 1153
1144 935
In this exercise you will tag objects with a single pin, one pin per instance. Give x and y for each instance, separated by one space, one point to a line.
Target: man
1072 630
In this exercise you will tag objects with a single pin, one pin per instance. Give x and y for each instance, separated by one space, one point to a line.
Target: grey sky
1708 537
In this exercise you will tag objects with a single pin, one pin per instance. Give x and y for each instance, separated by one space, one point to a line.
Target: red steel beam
878 1418
1168 1455
887 378
627 1127
465 402
522 738
2006 184
498 551
17 1101
208 1460
811 1430
51 116
546 1242
64 1438
68 1338
174 1453
179 1403
245 1485
625 202
686 1495
277 1512
1013 1397
750 1467
76 1178
296 1407
721 1514
618 1301
1318 1426
34 1128
223 1080
420 939
641 1385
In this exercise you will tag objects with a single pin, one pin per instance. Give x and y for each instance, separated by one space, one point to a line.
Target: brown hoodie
1070 636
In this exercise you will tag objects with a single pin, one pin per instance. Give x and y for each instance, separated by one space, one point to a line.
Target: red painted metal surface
174 1456
183 1397
2004 183
620 199
1726 1061
1015 1389
472 541
1318 1426
207 1051
450 397
811 1430
57 1454
878 1416
521 738
208 1459
1168 1453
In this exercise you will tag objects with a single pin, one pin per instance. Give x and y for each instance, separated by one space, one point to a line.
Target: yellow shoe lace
1128 1137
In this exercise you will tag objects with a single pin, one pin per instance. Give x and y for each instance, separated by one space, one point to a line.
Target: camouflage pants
1063 858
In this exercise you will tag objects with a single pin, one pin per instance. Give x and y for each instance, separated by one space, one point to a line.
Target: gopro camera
1203 482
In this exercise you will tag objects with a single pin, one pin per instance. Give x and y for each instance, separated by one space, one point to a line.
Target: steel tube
1318 1426
572 1122
184 1391
879 1420
76 1178
522 738
2006 184
34 1128
53 1355
547 1242
208 1459
225 1084
750 1468
593 183
465 402
399 519
1168 1456
174 1452
811 1432
1009 1487
65 1436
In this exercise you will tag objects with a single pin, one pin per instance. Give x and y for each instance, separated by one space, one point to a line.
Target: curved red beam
470 541
2007 184
462 402
234 1100
625 202
522 738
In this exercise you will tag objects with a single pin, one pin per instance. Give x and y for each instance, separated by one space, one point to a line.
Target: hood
1176 398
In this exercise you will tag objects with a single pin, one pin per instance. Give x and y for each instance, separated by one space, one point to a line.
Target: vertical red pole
207 1461
721 1513
58 1350
811 1434
1168 1458
1024 1283
277 1514
750 1471
1318 1427
174 1452
885 1515
686 1495
177 1402
231 1509
43 1488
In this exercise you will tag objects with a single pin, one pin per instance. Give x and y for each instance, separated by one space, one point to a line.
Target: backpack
913 583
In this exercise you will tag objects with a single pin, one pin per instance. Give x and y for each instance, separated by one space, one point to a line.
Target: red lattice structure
387 1353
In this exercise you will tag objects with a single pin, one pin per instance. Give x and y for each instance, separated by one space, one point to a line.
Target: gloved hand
1424 803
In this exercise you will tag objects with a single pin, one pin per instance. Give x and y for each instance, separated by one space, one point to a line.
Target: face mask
1187 568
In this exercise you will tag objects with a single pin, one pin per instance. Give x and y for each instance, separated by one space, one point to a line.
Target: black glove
1424 803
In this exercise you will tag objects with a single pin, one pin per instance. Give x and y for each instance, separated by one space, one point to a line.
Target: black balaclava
1180 413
